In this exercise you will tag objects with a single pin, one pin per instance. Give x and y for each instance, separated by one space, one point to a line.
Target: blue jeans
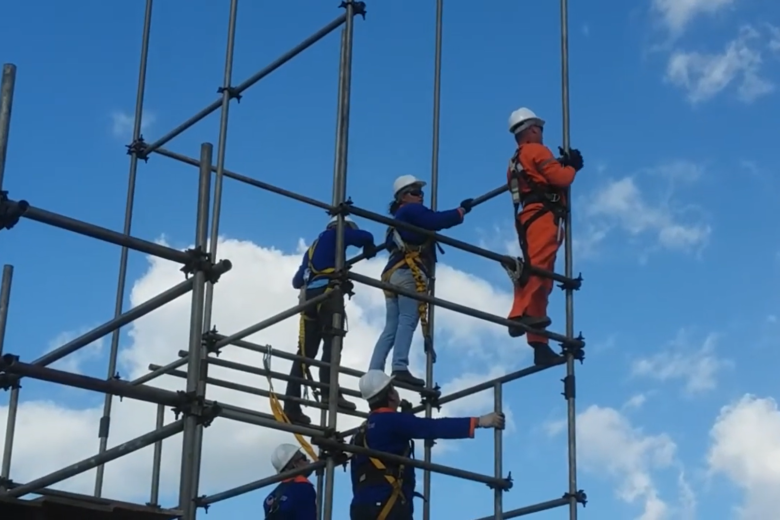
400 324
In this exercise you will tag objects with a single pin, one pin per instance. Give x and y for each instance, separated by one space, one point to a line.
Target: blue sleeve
413 427
298 281
357 237
306 507
426 218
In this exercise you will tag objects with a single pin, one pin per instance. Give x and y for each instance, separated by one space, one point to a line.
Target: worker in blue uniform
383 490
294 498
313 278
412 257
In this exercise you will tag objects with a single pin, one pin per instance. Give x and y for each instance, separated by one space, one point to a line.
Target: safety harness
415 258
525 191
274 502
377 472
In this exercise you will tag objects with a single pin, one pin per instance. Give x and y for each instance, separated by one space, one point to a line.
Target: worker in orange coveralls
538 182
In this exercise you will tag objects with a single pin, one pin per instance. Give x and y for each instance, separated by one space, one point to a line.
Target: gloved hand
573 158
370 250
466 205
405 406
492 420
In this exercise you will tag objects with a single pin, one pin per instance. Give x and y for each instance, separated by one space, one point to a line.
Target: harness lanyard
410 258
395 483
278 410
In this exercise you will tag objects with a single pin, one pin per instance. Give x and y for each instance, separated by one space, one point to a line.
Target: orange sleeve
537 158
473 426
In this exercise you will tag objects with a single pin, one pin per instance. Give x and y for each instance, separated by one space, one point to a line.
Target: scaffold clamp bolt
580 496
11 211
139 148
232 92
209 341
358 8
572 285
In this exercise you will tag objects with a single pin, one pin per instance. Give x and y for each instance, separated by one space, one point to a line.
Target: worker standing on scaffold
314 278
410 265
384 490
538 182
293 498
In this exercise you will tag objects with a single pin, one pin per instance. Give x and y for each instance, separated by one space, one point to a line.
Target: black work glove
406 406
370 251
466 205
573 158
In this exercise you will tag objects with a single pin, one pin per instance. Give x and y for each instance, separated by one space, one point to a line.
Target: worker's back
293 499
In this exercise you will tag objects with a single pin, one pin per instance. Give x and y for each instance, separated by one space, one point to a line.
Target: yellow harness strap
278 410
412 259
395 483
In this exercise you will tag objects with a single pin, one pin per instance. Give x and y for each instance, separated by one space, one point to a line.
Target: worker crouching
293 498
538 182
384 490
314 278
412 257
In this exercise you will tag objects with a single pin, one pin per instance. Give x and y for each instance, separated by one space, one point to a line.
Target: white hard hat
523 118
282 456
372 383
404 181
348 221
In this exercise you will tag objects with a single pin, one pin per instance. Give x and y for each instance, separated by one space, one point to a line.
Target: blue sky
673 107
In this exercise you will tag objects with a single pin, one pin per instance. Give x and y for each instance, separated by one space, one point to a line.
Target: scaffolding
204 271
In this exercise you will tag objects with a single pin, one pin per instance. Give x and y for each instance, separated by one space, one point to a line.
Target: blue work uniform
393 432
293 499
321 256
422 217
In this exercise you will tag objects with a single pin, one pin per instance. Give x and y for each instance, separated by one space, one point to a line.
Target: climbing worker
314 278
294 498
538 182
384 490
412 256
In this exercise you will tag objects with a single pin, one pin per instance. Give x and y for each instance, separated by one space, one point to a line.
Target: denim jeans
400 324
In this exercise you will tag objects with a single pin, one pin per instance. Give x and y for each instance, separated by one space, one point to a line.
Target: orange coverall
542 235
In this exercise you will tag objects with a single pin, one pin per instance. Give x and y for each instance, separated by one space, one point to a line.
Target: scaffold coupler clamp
580 496
209 341
508 483
572 284
139 148
6 483
199 503
232 93
358 8
11 211
431 396
8 381
193 404
575 347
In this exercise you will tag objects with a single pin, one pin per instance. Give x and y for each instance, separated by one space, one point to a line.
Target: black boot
297 416
404 376
343 403
544 355
534 322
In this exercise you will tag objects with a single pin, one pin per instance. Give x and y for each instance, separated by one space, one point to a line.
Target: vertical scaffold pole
498 453
339 196
13 405
571 411
6 105
105 421
434 192
189 458
215 214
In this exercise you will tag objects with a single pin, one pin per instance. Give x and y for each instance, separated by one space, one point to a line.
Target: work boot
544 355
296 416
534 322
343 403
404 376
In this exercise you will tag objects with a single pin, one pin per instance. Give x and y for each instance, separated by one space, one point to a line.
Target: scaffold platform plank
48 508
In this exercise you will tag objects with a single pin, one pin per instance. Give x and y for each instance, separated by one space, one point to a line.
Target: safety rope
278 410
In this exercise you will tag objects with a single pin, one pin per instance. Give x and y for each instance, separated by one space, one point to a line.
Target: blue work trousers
400 323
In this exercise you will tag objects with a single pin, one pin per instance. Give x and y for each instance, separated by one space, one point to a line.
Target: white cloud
746 449
74 362
51 435
122 123
774 38
704 75
677 14
635 402
630 458
621 205
680 360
